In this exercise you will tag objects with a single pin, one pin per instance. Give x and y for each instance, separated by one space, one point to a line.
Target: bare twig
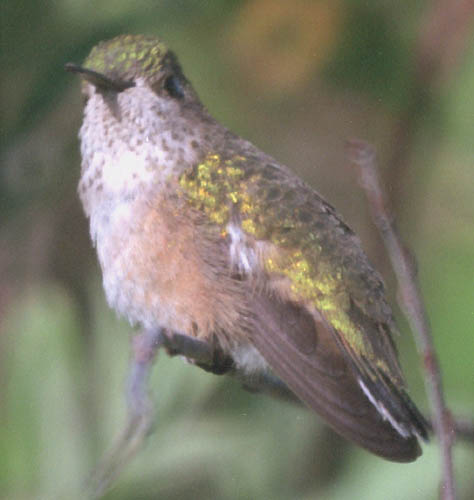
443 36
145 347
464 428
362 156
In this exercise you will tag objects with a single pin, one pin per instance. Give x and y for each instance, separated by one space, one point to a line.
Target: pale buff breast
155 275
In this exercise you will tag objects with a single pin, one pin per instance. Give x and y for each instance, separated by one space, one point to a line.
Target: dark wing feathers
323 378
349 375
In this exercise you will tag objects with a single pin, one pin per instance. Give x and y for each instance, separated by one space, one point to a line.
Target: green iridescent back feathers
317 258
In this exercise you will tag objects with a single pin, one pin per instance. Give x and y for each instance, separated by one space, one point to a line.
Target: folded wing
301 349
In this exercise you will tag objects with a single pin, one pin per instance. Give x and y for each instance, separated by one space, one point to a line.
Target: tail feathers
379 418
396 407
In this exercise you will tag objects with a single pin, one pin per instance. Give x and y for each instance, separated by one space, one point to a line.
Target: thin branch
464 428
362 156
145 347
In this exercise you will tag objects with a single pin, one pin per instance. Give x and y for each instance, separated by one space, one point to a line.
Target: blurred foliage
296 81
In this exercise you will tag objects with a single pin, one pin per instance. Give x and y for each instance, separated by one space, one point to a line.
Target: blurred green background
298 79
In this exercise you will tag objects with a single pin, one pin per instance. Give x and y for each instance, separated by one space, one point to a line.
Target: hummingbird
200 233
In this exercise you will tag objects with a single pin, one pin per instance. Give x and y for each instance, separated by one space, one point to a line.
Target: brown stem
362 155
464 428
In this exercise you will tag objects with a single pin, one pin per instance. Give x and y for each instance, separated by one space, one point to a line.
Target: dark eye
173 86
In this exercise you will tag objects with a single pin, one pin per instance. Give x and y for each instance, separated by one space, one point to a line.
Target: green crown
127 56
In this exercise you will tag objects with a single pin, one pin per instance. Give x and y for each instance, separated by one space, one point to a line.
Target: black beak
98 79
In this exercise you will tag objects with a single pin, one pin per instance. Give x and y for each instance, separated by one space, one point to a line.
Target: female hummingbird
199 232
